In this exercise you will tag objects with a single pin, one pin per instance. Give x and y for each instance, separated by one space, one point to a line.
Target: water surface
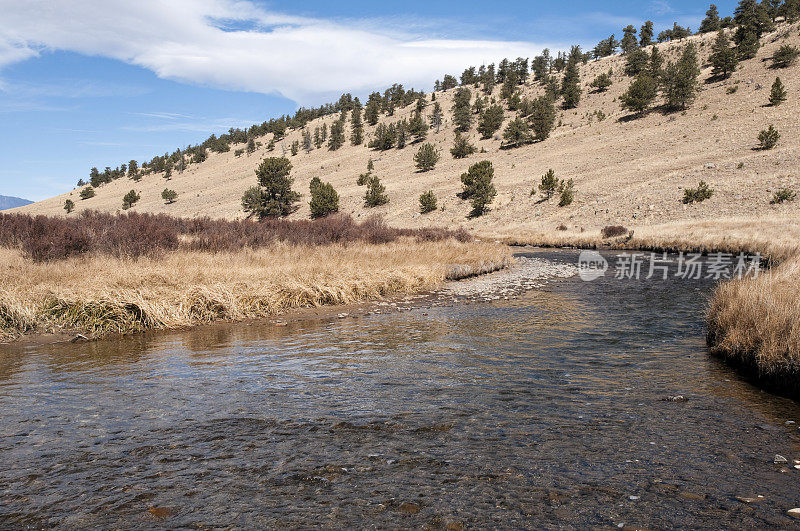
549 410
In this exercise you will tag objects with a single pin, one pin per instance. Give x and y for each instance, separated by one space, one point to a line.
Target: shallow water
549 410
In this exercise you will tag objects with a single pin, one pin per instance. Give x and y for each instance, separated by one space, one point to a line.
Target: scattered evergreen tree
462 112
133 169
273 197
426 158
461 147
606 47
711 22
549 184
401 128
81 183
491 121
785 56
543 117
449 82
723 57
697 195
130 199
566 191
168 173
308 144
357 125
417 127
384 138
778 93
640 95
602 82
436 117
656 66
517 133
636 62
427 202
768 138
370 166
169 195
317 138
376 193
87 193
324 199
791 10
646 34
69 206
337 135
478 187
680 79
752 20
571 85
295 148
373 109
629 41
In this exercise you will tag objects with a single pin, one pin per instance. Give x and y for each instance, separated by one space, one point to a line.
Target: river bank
99 295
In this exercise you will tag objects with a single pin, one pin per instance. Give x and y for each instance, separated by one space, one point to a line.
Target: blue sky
95 83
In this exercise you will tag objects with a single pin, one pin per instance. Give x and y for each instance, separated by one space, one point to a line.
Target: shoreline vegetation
102 274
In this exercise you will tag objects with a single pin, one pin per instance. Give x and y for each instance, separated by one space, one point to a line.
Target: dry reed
99 294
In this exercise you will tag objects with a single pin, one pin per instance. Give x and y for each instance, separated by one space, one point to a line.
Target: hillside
626 171
7 202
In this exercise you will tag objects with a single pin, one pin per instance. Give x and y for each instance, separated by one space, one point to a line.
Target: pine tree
130 199
753 21
317 138
656 66
402 133
491 121
640 95
427 202
711 22
357 126
478 187
373 108
273 197
436 116
426 158
778 93
337 135
462 112
636 62
385 137
461 147
723 57
785 56
324 199
646 34
295 148
417 127
376 193
543 117
87 193
169 195
69 206
251 146
549 184
629 42
680 79
768 138
570 86
307 144
517 133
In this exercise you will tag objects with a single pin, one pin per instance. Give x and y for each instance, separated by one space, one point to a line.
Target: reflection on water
542 411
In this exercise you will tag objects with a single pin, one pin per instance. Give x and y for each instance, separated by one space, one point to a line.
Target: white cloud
197 41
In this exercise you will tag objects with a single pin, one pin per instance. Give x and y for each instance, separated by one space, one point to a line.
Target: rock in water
794 513
780 460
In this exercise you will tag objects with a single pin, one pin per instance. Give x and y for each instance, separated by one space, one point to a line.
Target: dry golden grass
777 239
100 294
755 323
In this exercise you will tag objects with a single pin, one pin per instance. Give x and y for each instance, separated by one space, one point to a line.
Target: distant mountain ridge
7 202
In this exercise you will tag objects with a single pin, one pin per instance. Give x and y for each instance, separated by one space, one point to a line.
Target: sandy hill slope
629 172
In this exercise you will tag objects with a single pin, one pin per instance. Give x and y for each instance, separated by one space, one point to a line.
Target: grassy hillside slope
626 172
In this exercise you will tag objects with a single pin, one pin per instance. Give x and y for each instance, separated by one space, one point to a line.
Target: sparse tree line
474 105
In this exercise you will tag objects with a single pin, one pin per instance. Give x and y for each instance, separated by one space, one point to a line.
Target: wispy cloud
661 7
235 44
162 115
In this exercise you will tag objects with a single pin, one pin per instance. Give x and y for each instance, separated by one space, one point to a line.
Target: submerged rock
780 460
